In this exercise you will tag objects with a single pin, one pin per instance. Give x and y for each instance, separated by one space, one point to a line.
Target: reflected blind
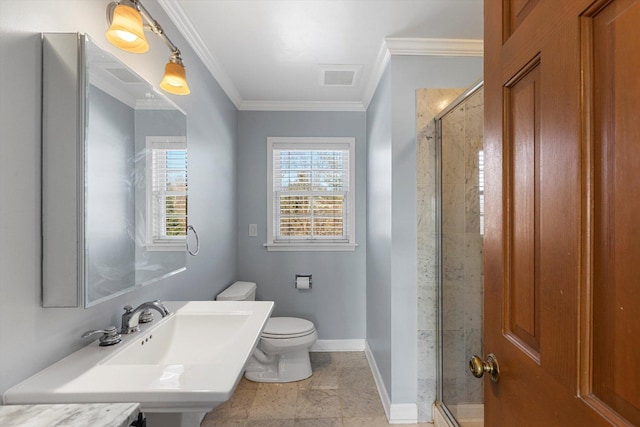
168 192
311 194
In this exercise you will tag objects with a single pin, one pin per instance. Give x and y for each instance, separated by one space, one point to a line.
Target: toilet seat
287 327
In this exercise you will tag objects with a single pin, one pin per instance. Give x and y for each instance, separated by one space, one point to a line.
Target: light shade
126 30
175 79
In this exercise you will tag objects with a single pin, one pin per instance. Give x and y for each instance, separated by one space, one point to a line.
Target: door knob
479 367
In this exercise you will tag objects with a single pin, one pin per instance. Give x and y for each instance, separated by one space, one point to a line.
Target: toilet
282 354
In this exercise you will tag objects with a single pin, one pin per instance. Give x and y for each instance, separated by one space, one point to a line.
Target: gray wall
336 303
392 248
32 337
379 206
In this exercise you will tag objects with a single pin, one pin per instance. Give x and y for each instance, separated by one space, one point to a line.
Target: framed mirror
114 176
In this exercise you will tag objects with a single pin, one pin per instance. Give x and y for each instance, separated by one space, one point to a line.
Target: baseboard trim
377 377
338 345
397 413
403 413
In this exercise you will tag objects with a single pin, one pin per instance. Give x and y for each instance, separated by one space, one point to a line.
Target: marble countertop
69 415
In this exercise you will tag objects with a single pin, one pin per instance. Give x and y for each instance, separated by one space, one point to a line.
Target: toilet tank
239 291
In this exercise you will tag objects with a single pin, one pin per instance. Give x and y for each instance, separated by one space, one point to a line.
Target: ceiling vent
340 75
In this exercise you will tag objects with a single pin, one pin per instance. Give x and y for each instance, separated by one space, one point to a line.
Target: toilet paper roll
303 283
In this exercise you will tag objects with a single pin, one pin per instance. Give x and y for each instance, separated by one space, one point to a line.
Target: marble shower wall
430 102
462 223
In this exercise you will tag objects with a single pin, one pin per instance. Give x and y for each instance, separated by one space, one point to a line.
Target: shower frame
440 404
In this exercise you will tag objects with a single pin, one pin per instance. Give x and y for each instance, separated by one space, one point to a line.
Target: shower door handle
479 367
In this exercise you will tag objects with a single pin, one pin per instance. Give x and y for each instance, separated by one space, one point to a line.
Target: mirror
129 171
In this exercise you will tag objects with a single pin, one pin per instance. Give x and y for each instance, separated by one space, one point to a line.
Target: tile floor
341 392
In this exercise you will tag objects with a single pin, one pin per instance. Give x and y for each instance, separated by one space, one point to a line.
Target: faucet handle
128 309
146 316
110 336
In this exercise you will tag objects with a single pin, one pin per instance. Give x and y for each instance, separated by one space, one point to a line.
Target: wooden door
562 241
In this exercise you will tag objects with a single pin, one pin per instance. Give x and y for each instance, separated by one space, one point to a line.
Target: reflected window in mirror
166 193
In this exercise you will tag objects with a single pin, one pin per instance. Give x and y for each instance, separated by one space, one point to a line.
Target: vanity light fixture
175 80
126 31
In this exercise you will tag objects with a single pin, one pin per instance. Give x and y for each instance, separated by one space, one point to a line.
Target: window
166 192
311 191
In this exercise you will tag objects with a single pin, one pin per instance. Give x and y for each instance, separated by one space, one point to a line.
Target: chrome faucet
131 316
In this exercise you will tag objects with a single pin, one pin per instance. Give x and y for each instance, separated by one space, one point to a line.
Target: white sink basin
188 361
186 339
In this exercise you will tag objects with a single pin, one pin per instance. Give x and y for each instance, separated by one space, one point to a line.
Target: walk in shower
459 241
450 221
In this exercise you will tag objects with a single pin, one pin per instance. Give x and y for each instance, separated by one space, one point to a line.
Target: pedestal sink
178 368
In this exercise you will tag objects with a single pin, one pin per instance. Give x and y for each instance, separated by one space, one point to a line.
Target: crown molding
434 47
417 47
301 106
384 56
179 17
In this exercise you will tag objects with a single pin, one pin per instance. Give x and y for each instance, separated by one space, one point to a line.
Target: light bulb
126 35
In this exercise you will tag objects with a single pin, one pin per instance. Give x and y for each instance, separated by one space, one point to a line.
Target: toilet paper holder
300 279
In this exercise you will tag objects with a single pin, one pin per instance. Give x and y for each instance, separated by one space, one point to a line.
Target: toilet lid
287 327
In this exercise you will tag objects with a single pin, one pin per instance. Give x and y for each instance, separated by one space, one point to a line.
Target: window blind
311 193
168 192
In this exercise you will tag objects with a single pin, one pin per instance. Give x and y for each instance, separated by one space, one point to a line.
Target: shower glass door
460 277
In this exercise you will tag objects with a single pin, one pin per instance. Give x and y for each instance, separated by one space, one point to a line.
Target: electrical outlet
253 230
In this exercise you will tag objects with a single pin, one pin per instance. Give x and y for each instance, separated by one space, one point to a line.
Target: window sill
310 247
166 247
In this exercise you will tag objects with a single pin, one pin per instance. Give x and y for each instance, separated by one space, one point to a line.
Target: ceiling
271 54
